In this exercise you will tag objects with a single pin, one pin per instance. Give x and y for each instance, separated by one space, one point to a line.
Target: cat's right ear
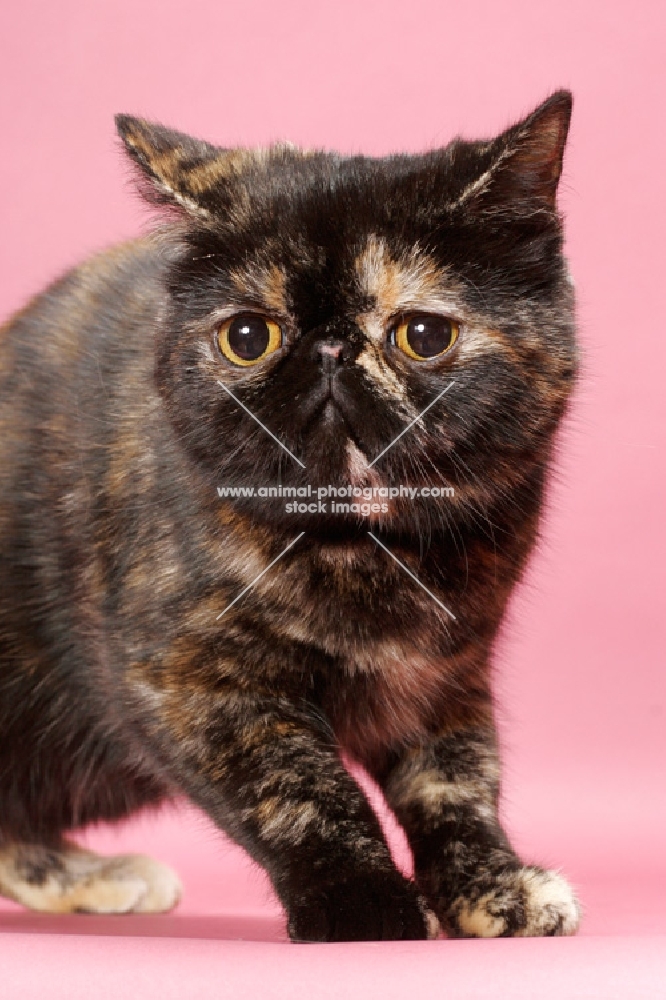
176 169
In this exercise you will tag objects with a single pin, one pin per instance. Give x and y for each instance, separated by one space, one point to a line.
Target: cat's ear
525 161
177 170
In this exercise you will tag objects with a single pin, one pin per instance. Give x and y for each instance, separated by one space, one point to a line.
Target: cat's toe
161 886
551 908
367 908
528 902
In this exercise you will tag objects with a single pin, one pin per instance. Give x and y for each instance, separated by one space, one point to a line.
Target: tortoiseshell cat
295 314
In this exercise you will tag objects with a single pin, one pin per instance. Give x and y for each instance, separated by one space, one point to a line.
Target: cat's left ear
176 169
526 161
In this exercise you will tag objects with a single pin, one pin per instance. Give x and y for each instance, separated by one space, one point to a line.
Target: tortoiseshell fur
119 687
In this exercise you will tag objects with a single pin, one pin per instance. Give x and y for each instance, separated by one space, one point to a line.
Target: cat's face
336 298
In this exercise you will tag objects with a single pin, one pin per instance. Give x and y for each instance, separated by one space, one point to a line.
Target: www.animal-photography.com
331 547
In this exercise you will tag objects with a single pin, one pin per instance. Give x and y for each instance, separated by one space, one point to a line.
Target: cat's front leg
445 795
268 773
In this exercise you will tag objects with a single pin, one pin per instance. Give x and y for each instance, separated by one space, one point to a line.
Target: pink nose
332 349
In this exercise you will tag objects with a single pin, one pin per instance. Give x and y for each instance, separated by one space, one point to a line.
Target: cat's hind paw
528 902
71 880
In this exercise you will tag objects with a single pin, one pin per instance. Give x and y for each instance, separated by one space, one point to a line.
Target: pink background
580 677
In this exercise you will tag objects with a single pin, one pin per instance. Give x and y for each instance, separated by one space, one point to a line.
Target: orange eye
248 338
425 335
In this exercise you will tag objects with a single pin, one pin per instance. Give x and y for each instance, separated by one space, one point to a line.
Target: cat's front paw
527 902
366 907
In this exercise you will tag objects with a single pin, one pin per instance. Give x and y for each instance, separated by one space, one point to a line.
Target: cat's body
120 685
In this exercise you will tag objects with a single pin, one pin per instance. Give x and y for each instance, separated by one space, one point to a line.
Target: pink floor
227 939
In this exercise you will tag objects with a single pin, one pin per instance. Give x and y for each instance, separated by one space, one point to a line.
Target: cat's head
330 299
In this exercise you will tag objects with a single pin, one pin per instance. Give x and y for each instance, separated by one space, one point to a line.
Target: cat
303 320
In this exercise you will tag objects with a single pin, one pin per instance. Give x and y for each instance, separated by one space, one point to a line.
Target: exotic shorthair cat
311 323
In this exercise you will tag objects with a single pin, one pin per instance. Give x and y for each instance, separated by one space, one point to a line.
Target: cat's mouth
338 533
330 418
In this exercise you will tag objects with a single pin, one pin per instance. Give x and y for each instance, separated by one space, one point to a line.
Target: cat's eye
248 338
425 335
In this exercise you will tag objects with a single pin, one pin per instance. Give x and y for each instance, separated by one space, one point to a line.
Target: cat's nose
333 349
330 354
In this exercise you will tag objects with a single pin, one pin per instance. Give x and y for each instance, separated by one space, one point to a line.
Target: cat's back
68 359
75 370
91 311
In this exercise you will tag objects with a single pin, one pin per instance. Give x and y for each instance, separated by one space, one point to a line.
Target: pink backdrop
580 677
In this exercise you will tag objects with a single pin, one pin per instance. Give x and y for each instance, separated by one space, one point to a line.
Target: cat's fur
119 686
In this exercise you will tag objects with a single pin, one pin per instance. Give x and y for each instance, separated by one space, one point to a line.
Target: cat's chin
348 549
339 534
355 534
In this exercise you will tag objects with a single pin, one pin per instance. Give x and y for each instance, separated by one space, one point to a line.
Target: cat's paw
160 888
368 907
72 880
529 902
